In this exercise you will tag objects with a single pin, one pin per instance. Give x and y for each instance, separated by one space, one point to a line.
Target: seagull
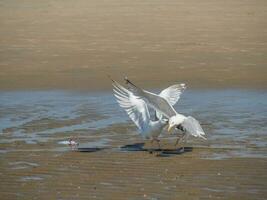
188 125
138 112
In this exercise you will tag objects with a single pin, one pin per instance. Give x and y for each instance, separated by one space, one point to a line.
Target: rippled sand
133 175
75 44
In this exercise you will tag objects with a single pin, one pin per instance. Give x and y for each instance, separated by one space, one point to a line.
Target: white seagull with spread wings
138 111
189 125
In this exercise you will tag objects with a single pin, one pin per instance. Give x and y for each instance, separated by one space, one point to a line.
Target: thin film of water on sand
234 120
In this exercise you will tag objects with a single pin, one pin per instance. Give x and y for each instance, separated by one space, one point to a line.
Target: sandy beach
74 45
55 56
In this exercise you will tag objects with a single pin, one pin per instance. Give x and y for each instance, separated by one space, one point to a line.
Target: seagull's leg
183 142
151 143
182 149
177 141
158 142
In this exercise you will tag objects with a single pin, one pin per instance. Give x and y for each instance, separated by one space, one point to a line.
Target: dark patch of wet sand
74 45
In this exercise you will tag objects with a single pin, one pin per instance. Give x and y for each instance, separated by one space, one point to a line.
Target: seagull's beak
170 128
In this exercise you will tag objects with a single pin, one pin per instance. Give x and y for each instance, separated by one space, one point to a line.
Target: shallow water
234 121
114 163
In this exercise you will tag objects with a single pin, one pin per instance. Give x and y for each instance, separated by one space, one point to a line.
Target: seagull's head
175 121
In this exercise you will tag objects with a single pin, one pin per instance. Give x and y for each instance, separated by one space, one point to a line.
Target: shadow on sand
89 149
160 152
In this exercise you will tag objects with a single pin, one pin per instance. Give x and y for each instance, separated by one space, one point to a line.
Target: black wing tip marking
109 77
129 82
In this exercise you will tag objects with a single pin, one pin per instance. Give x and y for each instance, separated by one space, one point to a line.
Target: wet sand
110 174
125 169
74 45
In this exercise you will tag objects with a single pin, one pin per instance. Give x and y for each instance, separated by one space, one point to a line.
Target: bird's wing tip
109 77
204 138
127 80
183 85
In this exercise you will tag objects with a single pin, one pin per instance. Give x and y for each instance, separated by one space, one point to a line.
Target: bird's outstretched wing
193 127
172 95
135 107
155 101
